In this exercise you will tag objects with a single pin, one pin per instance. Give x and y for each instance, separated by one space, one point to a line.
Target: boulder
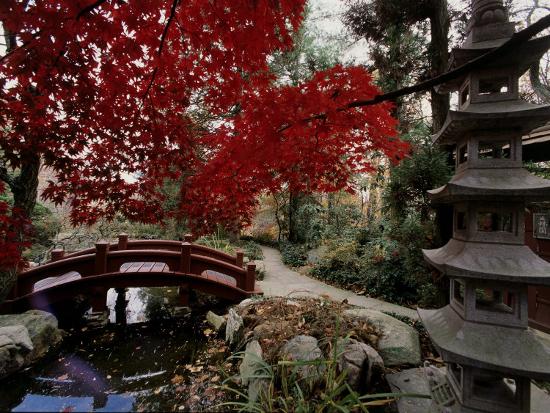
263 330
234 328
15 346
251 367
216 321
42 329
360 361
399 343
305 348
25 338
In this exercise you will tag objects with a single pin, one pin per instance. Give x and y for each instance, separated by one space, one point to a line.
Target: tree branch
89 9
6 176
517 40
80 14
161 45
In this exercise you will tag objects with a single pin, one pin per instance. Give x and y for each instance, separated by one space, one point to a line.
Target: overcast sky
326 15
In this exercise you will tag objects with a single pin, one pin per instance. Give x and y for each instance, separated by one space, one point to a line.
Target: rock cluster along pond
253 328
25 338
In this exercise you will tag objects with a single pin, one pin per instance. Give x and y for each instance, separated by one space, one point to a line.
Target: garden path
282 281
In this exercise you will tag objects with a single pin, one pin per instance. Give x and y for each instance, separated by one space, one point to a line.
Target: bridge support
184 294
120 306
98 299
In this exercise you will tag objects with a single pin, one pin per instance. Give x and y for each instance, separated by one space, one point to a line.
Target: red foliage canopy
107 89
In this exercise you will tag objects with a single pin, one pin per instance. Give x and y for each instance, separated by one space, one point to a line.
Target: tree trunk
439 50
25 186
293 206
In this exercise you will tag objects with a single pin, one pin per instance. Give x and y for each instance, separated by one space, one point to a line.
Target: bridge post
185 262
57 255
250 279
101 252
188 238
240 258
98 295
122 242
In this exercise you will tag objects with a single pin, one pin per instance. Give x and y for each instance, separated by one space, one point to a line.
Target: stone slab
410 381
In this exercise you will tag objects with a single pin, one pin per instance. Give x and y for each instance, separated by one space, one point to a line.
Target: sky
326 16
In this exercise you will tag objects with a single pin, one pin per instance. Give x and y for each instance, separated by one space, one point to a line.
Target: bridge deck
144 267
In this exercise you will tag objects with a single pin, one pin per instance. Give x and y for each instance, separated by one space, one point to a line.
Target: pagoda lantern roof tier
517 115
486 346
522 58
496 184
488 261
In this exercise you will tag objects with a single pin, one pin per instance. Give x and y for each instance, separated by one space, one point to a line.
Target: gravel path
281 281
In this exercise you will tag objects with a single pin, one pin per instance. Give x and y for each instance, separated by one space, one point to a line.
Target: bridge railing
105 258
124 244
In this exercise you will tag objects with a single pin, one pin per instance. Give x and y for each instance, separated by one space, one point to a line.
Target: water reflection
144 304
112 403
115 368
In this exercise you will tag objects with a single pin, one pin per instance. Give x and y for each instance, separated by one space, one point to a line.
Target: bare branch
161 46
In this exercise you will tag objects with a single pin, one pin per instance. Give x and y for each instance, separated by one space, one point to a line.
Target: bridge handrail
166 245
187 259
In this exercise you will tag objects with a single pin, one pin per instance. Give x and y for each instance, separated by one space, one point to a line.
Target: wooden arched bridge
144 263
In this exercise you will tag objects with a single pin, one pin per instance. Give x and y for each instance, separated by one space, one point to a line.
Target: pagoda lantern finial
489 22
489 11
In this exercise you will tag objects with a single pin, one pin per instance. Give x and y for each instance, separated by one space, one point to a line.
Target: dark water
140 367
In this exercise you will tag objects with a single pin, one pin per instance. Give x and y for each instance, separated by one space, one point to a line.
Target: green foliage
310 223
250 248
410 181
385 262
46 225
343 220
294 255
283 390
541 169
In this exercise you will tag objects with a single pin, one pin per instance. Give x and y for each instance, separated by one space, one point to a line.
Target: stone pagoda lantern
482 335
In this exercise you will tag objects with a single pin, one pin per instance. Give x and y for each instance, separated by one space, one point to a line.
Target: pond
147 365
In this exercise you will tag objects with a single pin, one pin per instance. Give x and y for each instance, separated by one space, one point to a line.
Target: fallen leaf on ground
177 379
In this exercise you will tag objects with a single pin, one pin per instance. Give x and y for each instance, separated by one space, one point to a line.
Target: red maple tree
105 89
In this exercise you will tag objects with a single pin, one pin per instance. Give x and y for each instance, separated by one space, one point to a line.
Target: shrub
386 261
341 263
250 248
294 255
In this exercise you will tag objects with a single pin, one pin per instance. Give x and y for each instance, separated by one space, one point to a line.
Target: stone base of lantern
484 391
438 383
